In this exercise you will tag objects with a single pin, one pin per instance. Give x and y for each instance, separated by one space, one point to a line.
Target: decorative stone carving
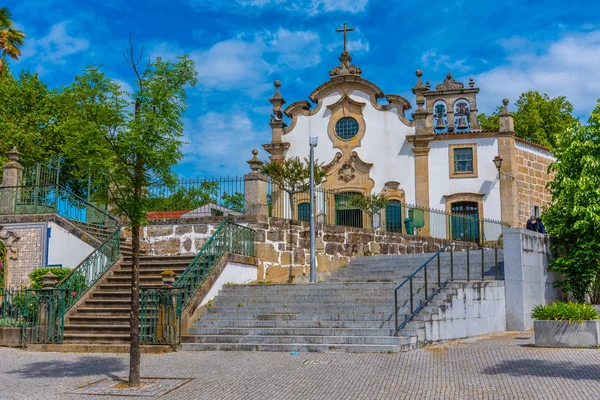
346 68
350 175
449 83
9 238
346 172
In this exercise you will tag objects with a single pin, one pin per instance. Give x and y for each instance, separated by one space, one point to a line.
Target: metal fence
203 197
340 208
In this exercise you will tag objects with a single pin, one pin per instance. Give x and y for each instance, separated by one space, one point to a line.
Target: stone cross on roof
345 30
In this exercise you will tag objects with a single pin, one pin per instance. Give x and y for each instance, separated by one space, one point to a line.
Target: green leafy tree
292 175
185 198
573 217
132 140
11 39
234 201
538 118
370 204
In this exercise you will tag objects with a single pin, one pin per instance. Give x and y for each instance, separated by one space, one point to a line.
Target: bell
440 124
462 123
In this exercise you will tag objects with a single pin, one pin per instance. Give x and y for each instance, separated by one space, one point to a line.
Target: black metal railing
424 283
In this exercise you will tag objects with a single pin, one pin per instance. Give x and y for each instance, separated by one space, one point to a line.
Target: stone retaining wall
282 245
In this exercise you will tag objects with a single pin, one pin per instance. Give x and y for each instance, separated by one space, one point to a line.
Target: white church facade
434 156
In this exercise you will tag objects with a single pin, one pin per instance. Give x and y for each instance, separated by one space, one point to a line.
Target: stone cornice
333 84
419 140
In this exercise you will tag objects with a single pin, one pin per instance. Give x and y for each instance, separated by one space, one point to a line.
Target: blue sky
241 46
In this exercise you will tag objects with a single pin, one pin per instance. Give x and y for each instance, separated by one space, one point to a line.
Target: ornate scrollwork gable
348 174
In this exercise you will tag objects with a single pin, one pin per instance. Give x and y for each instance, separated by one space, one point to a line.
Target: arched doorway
465 221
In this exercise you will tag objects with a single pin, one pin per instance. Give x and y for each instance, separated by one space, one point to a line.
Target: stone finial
168 277
506 119
449 83
346 68
49 280
419 90
471 82
277 101
254 162
13 155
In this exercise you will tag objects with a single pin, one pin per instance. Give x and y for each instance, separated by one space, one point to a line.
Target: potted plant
566 325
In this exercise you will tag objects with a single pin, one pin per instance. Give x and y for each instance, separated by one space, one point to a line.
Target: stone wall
283 247
174 237
478 308
532 176
529 281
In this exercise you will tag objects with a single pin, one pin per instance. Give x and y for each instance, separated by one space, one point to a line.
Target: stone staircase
353 311
104 316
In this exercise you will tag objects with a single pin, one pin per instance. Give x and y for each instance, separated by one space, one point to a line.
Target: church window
346 128
463 160
465 221
304 212
393 216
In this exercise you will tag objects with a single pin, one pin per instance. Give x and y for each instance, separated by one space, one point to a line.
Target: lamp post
313 262
498 163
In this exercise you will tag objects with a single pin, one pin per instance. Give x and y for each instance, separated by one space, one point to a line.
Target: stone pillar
277 148
528 280
12 171
422 182
255 189
509 194
12 176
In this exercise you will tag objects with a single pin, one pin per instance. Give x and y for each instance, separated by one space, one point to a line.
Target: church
433 156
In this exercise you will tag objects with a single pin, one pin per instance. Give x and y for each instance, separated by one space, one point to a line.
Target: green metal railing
161 308
427 280
44 326
160 315
38 312
334 207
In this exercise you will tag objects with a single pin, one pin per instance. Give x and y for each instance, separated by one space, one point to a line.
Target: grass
571 312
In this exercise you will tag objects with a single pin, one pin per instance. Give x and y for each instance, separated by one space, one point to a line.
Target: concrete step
103 311
303 348
292 309
304 339
281 331
77 337
96 328
94 319
203 323
298 317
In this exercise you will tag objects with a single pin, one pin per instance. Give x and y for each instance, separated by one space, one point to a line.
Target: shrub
572 312
36 276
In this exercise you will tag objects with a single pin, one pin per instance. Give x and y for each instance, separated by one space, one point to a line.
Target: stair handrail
55 199
409 279
228 237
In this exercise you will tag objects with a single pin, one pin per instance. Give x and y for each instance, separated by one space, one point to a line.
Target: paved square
151 387
504 366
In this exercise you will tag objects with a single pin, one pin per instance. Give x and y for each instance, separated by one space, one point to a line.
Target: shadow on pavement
541 368
84 366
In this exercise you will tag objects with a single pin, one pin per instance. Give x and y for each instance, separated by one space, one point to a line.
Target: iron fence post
425 269
496 260
482 264
396 311
452 262
468 264
439 270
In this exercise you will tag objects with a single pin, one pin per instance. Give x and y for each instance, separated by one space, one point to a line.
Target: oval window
346 128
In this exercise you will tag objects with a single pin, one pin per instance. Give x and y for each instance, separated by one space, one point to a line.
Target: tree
292 175
10 38
538 118
369 204
573 217
132 140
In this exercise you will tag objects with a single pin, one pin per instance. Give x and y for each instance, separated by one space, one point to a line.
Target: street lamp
498 162
313 262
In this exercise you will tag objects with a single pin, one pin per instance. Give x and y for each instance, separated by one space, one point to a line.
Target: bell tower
451 107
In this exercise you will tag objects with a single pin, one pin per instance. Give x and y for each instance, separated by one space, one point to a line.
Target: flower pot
566 334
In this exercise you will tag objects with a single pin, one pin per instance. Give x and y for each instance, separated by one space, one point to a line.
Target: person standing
533 224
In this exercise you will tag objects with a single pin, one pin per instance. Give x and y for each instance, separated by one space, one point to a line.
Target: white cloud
221 142
566 67
297 50
56 46
309 7
434 60
358 46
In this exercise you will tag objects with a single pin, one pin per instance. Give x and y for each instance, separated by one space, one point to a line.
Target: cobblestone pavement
503 366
